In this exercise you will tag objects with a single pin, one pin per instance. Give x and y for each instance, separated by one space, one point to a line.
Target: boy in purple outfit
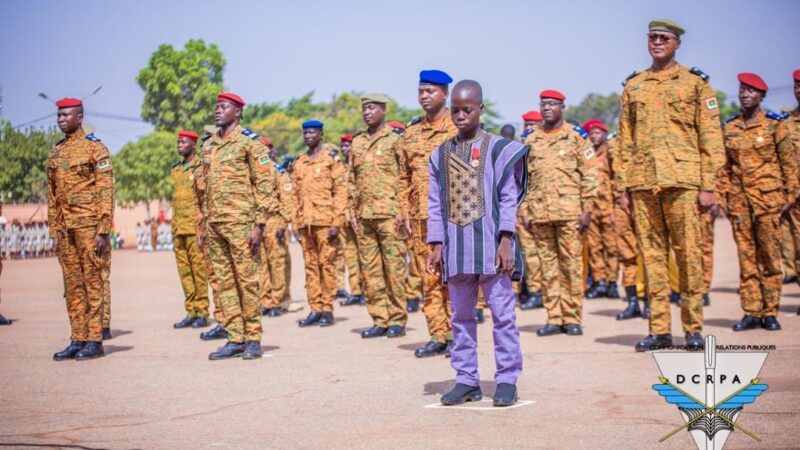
477 181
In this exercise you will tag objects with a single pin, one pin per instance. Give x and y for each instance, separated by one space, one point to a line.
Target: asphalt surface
326 387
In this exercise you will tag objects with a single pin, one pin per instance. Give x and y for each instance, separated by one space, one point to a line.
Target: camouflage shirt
375 170
80 185
669 132
601 165
320 189
560 185
184 205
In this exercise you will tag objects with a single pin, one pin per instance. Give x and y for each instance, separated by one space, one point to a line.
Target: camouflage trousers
758 239
792 242
192 272
414 279
319 255
436 305
106 274
533 269
601 239
664 220
627 248
381 254
275 271
212 281
236 273
559 247
83 283
349 249
707 248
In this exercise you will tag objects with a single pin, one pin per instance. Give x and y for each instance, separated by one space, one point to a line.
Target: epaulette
699 73
526 133
731 119
581 131
629 77
58 143
775 116
612 135
247 132
177 163
785 114
399 131
92 137
205 137
414 120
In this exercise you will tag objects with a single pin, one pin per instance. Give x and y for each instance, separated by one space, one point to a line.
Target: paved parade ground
326 387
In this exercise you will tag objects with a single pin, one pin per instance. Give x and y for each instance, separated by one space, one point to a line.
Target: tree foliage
726 108
595 106
180 86
23 155
141 168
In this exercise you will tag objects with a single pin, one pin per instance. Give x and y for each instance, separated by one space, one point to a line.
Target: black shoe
706 300
412 305
327 319
107 334
549 330
252 350
396 331
479 317
263 311
352 300
538 301
4 321
598 290
215 333
533 301
462 393
789 279
275 312
69 352
675 297
373 332
654 342
631 311
363 301
431 349
695 342
613 291
573 329
341 293
229 350
310 320
186 322
505 395
200 322
770 323
747 323
91 350
448 352
645 308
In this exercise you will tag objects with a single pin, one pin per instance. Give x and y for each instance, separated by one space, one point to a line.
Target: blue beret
313 123
434 77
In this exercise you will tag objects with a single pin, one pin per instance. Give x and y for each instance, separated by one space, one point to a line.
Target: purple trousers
500 298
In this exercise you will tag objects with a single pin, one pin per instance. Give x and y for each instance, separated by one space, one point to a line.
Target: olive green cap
666 25
374 98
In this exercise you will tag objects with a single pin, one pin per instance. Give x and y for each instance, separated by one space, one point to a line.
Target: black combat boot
645 308
613 292
462 393
69 352
91 350
654 342
600 289
412 305
633 305
229 350
215 333
430 349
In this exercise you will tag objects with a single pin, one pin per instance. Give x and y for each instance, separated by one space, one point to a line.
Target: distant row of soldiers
23 241
153 235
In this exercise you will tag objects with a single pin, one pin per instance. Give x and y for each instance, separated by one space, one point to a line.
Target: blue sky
277 50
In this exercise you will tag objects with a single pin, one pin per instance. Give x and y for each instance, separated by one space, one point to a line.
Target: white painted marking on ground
480 408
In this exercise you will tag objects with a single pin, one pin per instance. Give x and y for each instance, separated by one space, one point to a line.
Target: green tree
180 86
141 168
595 106
726 108
23 154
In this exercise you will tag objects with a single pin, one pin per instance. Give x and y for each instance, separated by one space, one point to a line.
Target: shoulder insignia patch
414 120
588 153
104 164
92 138
287 187
612 135
249 133
699 73
205 137
629 77
774 116
263 159
581 131
711 103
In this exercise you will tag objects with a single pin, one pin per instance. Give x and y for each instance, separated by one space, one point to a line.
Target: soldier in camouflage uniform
80 211
532 120
374 209
189 258
760 180
238 200
423 135
671 148
792 124
561 194
349 241
321 190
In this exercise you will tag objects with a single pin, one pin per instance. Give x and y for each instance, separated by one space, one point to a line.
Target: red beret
753 80
797 75
532 116
188 134
594 123
266 141
397 125
550 93
347 138
231 97
69 102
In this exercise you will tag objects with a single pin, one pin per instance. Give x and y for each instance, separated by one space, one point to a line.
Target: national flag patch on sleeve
104 164
263 159
711 103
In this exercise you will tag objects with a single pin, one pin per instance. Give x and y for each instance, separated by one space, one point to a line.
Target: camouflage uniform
199 186
239 194
671 148
601 237
760 176
627 248
321 192
81 206
533 268
105 273
189 258
792 125
276 266
374 165
561 187
418 142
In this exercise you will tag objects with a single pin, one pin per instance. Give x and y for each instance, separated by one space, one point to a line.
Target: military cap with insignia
666 25
374 98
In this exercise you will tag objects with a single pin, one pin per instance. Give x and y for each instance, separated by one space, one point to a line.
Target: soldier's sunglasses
665 38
